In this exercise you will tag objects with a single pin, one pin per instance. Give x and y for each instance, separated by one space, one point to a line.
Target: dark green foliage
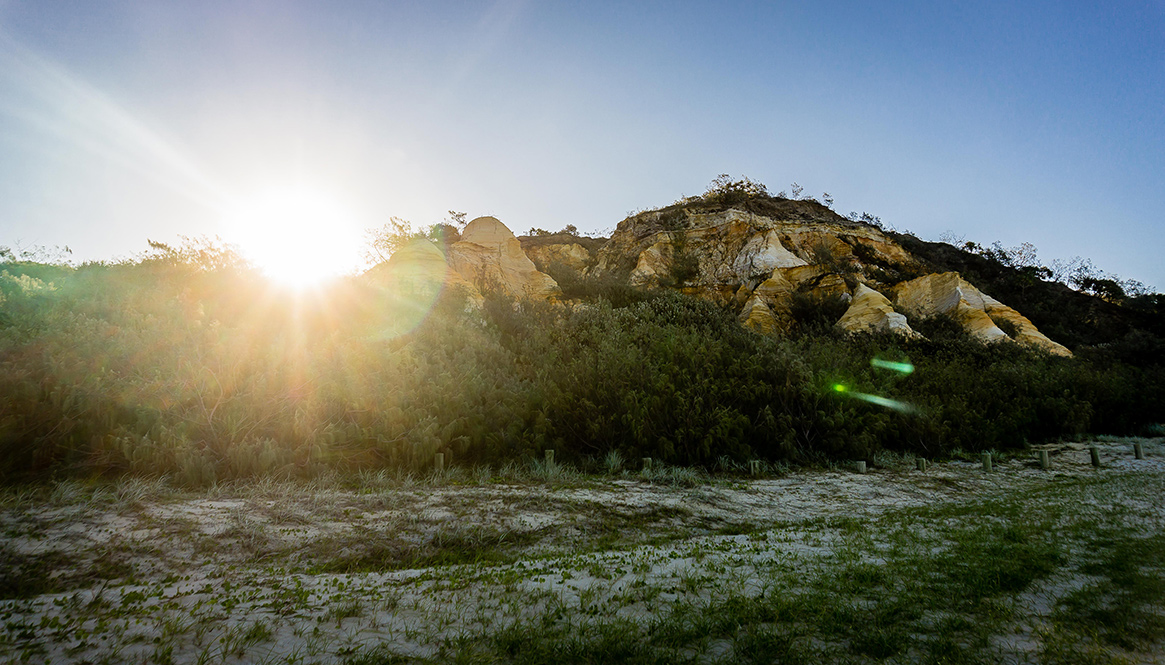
685 264
815 314
187 364
609 287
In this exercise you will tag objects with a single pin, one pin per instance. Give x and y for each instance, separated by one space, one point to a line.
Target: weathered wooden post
754 467
646 463
986 461
859 467
1138 451
549 458
920 463
439 462
1045 460
1094 452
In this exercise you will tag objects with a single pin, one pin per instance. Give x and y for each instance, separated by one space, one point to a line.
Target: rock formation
487 257
763 261
757 316
762 264
490 256
950 294
570 254
872 311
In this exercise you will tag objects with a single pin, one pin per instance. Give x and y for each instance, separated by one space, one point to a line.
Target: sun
297 236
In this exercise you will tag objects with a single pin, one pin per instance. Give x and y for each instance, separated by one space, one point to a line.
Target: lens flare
903 368
893 404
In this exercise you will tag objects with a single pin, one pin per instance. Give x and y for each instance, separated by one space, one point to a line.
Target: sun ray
297 236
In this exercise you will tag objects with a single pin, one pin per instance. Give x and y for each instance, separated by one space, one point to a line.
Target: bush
157 367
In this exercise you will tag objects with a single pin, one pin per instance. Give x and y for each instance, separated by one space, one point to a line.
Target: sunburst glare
297 236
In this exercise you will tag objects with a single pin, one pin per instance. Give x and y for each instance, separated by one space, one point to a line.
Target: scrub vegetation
185 363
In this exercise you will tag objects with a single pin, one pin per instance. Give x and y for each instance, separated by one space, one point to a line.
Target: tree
381 243
456 219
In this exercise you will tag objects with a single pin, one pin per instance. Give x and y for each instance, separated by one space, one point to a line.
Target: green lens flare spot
837 387
904 368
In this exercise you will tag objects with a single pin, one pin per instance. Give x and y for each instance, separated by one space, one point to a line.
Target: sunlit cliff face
297 236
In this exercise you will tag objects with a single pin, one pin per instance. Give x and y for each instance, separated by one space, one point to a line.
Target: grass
891 593
1054 569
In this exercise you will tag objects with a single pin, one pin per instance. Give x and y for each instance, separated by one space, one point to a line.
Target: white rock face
872 311
762 254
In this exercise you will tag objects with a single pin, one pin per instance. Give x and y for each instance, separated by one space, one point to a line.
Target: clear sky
1012 121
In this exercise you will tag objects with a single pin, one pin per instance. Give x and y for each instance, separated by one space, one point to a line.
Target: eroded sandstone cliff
763 264
793 252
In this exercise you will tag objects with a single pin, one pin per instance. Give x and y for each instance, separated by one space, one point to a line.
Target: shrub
166 367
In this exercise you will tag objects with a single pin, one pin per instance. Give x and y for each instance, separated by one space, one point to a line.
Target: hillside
724 329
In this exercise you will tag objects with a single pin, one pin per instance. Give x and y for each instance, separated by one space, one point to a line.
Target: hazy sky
1010 121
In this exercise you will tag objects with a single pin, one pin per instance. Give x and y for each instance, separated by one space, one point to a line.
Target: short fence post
1045 460
986 461
754 467
549 457
646 463
1138 451
860 467
1094 452
920 463
439 462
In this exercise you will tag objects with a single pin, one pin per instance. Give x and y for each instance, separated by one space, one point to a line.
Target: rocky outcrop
654 264
733 247
1025 330
762 263
737 258
870 311
762 254
570 254
757 316
948 293
489 256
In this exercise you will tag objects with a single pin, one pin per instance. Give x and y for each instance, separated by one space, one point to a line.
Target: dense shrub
205 372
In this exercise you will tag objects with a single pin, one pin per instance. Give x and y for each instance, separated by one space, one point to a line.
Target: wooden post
754 467
646 463
920 463
439 462
1045 460
549 457
986 461
859 467
1138 451
1094 452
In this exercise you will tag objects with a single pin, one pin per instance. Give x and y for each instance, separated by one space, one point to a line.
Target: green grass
952 582
935 585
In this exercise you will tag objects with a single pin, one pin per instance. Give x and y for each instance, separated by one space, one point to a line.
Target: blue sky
1034 121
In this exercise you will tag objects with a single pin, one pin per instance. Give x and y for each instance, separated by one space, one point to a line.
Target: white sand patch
230 578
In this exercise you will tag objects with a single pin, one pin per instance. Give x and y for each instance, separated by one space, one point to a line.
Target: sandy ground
143 573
